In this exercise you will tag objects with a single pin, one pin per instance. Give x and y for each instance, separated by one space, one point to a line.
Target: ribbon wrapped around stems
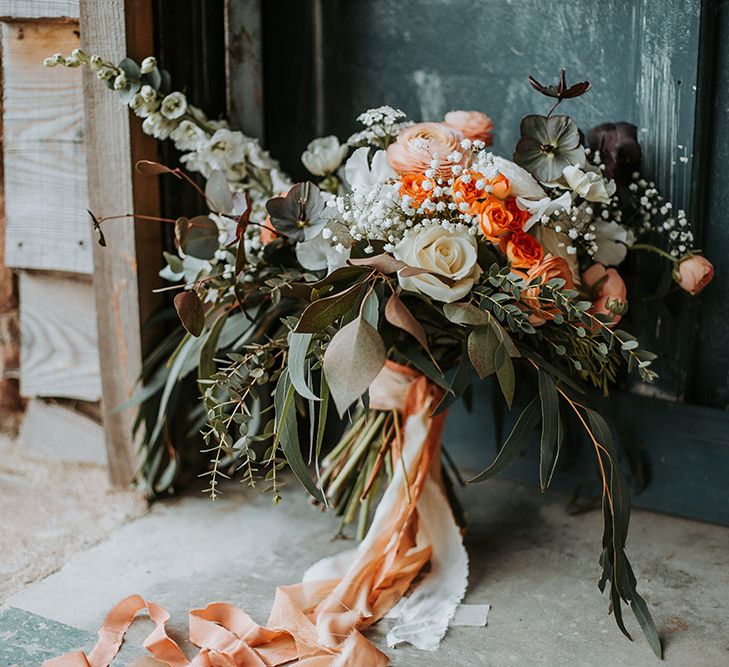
318 623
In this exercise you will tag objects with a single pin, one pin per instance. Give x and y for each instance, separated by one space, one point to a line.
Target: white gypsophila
188 136
173 106
588 184
324 155
612 241
158 126
452 254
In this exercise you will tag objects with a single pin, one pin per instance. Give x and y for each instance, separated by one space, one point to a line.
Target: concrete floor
50 510
534 564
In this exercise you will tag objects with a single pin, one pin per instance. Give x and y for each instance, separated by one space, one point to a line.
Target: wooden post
125 270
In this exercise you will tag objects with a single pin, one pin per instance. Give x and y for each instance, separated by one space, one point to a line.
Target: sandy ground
51 510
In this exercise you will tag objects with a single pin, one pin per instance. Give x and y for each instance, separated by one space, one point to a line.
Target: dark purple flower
619 149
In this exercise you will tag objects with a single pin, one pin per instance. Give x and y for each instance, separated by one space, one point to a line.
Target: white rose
588 184
174 106
322 156
451 254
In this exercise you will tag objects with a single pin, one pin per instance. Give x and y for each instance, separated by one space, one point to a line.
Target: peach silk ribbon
318 622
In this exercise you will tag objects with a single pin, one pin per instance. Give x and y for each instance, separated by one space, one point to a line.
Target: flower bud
148 93
55 59
95 62
148 64
693 273
106 73
120 82
71 62
80 55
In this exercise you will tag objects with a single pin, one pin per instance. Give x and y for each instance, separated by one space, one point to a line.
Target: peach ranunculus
497 217
412 186
522 250
418 145
472 188
693 273
609 291
474 125
550 267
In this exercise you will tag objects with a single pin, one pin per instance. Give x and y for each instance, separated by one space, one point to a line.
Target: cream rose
473 124
451 254
418 145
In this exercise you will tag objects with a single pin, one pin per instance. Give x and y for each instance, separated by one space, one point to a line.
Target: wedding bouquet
414 263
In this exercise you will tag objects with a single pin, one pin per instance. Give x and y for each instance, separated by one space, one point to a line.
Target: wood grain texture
59 433
124 271
59 351
47 226
38 9
244 65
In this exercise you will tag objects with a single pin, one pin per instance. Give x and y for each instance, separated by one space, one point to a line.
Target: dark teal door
661 64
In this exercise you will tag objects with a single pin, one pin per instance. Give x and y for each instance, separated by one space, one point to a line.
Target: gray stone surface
535 564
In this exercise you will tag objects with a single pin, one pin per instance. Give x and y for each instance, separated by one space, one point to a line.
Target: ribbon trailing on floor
318 623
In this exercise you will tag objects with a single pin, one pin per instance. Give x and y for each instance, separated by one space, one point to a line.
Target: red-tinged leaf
397 314
353 358
201 237
190 311
149 168
384 263
181 227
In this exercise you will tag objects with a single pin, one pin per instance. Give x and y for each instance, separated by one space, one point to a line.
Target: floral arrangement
415 262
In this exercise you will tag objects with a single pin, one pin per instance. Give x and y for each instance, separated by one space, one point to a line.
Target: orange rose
412 186
268 233
609 291
694 273
418 145
522 250
550 267
497 217
473 124
473 188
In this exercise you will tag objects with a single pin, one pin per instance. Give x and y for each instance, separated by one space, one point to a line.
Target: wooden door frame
126 270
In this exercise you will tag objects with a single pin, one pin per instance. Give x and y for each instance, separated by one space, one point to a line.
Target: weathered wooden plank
38 9
125 271
57 432
244 66
59 352
47 226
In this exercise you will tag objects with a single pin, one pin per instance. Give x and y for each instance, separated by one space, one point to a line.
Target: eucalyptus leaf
217 192
298 349
549 441
516 442
191 312
287 433
321 313
397 314
482 344
352 360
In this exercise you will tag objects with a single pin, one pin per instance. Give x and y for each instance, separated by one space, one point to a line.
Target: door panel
661 64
